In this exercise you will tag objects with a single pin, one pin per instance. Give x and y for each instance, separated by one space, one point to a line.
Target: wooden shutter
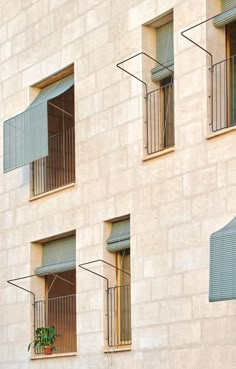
58 256
164 52
25 136
228 15
223 263
119 238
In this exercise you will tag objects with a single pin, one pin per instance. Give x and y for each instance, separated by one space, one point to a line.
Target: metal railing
58 168
59 312
119 316
160 119
224 94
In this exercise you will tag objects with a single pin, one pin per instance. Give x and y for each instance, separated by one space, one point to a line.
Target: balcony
119 316
58 168
59 312
224 94
160 119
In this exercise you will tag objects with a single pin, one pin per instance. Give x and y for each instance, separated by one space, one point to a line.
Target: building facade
117 179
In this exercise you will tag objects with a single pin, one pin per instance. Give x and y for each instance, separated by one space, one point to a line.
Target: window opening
222 74
113 302
58 168
159 112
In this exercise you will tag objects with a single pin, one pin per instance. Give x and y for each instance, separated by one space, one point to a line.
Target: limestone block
17 24
4 201
196 282
157 265
91 343
107 76
219 331
102 56
190 134
65 14
53 4
89 322
231 171
72 52
8 11
8 68
124 203
222 175
165 287
175 310
170 190
11 86
102 210
141 13
175 212
37 11
141 291
95 39
140 225
5 51
195 79
98 15
152 337
189 235
42 28
231 200
211 204
144 315
3 33
32 75
91 105
86 86
202 308
29 57
152 361
191 259
182 334
73 30
199 181
115 185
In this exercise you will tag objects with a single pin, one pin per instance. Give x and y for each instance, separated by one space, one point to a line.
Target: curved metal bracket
132 75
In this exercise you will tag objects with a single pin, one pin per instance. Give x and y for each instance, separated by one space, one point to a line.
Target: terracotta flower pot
47 350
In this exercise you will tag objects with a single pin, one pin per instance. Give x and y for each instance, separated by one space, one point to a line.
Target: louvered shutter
119 238
164 52
58 256
25 136
228 8
222 283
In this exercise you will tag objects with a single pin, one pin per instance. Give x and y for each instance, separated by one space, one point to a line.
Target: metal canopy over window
26 134
119 238
58 256
229 13
165 52
223 263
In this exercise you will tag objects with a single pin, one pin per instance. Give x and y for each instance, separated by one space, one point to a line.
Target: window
58 168
44 135
222 281
119 301
160 110
224 72
58 308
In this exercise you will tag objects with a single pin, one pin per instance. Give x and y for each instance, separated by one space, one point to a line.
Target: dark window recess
58 168
59 310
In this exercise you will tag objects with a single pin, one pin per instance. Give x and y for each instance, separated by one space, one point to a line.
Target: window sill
220 132
159 153
52 192
39 357
110 350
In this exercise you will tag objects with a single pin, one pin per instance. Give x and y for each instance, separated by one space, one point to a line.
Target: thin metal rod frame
206 51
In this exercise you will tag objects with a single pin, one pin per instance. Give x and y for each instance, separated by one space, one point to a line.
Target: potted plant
44 338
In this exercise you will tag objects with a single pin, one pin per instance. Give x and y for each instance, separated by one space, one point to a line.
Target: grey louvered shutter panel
222 283
58 256
25 136
119 238
229 15
165 52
